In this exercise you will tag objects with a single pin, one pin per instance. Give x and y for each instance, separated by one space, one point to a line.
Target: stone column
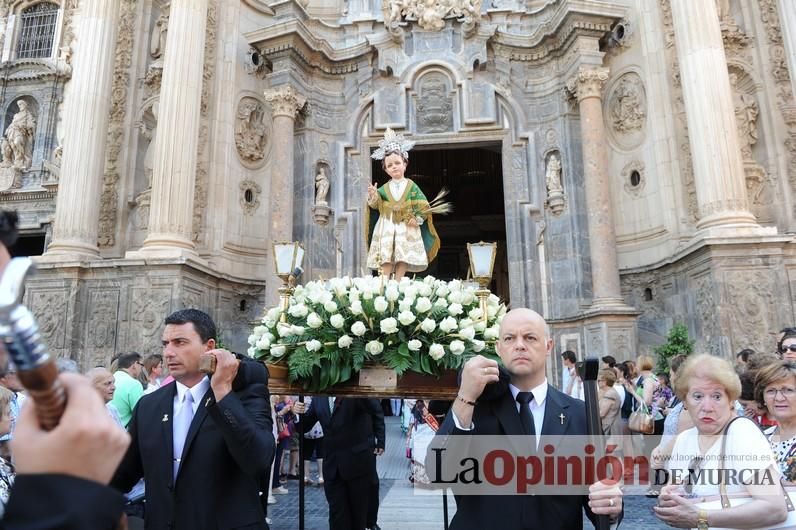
587 86
174 167
715 150
787 10
285 103
85 123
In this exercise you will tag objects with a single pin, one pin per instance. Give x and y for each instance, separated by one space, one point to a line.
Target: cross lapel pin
561 418
165 418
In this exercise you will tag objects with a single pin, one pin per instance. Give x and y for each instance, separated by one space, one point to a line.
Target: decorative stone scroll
250 131
430 14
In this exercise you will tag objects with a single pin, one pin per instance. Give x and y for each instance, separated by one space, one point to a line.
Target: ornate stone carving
249 196
148 306
255 64
250 131
751 302
634 178
157 41
430 14
588 83
102 322
50 309
148 126
621 343
106 235
17 144
746 113
285 101
707 315
434 105
555 190
627 104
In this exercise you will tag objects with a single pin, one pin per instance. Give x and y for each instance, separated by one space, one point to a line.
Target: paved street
400 509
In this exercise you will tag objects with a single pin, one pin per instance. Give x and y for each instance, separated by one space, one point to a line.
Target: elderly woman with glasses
775 389
702 455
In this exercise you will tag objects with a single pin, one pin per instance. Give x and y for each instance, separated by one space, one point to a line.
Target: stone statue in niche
555 190
250 137
321 186
17 146
150 133
157 41
746 113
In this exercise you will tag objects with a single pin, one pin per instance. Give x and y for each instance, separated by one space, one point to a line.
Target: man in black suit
523 345
350 427
201 443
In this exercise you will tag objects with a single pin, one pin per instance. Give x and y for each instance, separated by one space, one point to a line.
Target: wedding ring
486 370
611 503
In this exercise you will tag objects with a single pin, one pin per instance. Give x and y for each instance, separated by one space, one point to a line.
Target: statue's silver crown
391 142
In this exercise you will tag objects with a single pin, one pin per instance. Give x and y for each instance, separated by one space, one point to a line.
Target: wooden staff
588 373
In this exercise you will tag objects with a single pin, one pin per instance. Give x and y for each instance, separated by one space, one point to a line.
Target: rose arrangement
331 328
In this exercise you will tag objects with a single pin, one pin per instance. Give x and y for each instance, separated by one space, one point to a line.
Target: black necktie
524 399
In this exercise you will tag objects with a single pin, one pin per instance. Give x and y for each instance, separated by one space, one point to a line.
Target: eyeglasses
791 347
139 363
693 469
787 392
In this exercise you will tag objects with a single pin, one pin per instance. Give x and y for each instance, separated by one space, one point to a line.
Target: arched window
37 30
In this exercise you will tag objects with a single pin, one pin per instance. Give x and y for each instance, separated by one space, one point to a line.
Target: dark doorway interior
28 245
474 176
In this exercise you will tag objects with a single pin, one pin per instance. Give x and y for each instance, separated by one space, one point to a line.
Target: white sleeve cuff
459 425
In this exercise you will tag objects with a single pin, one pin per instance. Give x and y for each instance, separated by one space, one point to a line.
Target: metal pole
445 507
301 469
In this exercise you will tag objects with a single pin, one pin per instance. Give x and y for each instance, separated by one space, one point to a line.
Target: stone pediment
25 70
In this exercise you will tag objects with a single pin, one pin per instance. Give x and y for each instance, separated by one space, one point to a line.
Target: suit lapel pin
207 403
561 418
165 418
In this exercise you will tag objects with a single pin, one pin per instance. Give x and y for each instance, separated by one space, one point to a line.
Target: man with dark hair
216 432
568 360
128 388
742 357
608 361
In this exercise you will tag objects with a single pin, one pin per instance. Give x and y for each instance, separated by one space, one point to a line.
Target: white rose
406 317
367 293
358 328
269 323
283 331
448 324
468 298
423 304
455 309
263 344
429 280
356 307
353 294
493 299
456 347
273 314
478 345
476 313
388 326
253 340
480 326
436 351
330 307
424 290
442 291
374 347
313 345
414 345
455 297
277 351
337 321
252 351
314 321
467 333
455 285
406 304
465 323
380 304
344 342
296 330
260 330
441 302
391 294
326 297
428 325
491 333
491 311
298 310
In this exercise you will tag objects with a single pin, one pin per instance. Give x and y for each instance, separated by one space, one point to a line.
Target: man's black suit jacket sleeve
376 412
62 502
244 418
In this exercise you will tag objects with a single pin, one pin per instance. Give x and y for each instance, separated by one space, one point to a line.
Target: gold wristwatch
702 520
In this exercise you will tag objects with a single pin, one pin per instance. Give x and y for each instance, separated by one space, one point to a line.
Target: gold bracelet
465 401
702 520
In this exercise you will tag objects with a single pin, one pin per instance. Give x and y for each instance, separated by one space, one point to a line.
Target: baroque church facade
635 160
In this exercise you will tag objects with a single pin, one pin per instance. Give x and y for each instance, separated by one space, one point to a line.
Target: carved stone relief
148 307
555 190
251 132
626 104
103 319
157 41
50 309
430 14
16 145
106 236
706 307
434 104
750 299
250 193
621 344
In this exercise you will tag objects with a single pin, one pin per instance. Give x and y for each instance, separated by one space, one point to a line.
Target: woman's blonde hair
772 373
709 367
644 362
609 375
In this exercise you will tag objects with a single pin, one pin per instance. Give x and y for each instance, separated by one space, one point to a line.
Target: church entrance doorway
474 176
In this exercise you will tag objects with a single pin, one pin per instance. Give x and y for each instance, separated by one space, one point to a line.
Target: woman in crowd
775 389
422 427
609 402
708 386
675 422
6 469
787 345
153 370
285 429
313 445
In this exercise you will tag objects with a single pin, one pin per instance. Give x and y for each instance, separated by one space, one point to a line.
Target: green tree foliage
677 342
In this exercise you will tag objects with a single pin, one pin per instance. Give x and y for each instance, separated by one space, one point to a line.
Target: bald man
105 384
523 345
